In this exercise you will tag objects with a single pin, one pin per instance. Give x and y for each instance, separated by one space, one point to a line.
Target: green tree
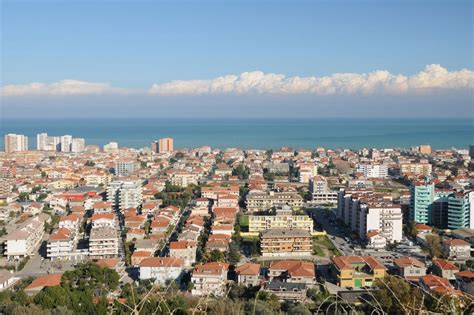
216 255
396 296
433 243
410 229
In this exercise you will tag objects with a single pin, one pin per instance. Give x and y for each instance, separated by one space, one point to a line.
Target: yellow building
357 271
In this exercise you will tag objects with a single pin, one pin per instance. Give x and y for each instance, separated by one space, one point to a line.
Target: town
88 229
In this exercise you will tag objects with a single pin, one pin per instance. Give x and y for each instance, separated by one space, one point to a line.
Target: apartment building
62 245
461 210
321 194
265 201
165 145
415 169
66 143
365 211
125 195
372 170
213 192
285 242
103 242
23 241
457 248
357 271
283 218
421 202
125 167
78 145
15 143
210 279
184 178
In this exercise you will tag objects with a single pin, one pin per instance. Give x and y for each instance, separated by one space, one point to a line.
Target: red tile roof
45 281
249 269
347 262
295 268
444 264
162 262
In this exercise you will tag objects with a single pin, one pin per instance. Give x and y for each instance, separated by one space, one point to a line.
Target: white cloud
433 77
63 87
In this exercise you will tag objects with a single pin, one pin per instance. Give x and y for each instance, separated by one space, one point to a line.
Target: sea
334 133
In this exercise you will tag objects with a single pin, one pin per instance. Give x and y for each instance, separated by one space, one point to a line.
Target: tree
234 253
89 163
23 196
396 296
410 229
433 243
242 171
216 255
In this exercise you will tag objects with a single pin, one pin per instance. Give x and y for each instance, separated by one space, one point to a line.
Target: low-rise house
357 271
465 281
103 242
148 245
444 269
438 284
43 282
103 220
135 234
248 274
185 250
102 207
376 240
210 279
161 269
457 249
218 242
138 256
410 268
7 279
160 225
150 208
293 271
285 242
287 291
70 222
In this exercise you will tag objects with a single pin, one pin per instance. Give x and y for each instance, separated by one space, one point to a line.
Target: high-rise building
111 147
15 143
461 210
125 194
425 149
373 170
165 145
421 202
440 209
124 168
364 211
66 142
155 146
41 140
78 145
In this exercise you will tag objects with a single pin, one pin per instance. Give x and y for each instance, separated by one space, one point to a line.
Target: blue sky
134 44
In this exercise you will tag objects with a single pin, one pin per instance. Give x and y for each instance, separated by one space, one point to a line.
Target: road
340 237
165 248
